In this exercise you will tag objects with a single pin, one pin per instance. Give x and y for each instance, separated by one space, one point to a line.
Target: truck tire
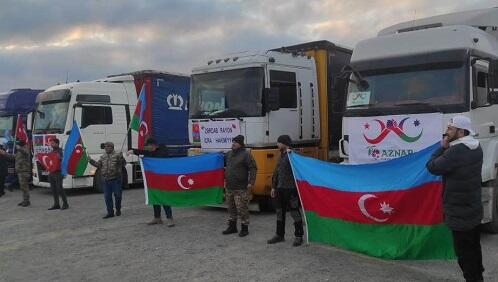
97 183
492 227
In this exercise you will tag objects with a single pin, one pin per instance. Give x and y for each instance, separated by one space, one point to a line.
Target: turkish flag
50 161
20 130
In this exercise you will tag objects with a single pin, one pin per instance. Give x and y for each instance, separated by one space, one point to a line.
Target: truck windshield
50 117
5 126
433 87
231 93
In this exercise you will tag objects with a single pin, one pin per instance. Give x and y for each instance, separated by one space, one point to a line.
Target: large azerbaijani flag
391 209
184 181
141 120
74 160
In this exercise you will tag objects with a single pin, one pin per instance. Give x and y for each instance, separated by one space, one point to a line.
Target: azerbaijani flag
391 209
141 120
184 181
74 161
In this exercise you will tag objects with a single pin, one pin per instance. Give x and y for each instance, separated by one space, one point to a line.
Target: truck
290 90
12 103
439 66
103 109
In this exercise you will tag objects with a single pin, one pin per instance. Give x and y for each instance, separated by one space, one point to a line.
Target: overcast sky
43 41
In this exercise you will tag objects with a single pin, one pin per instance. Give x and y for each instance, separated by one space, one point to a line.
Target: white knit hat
462 122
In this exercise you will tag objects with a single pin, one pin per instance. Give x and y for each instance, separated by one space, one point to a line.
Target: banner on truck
382 138
218 134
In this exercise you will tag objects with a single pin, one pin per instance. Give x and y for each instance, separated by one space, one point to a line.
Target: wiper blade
418 103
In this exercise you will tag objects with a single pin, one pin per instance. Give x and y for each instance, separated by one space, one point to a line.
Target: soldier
3 171
285 194
23 169
55 179
110 167
240 175
156 151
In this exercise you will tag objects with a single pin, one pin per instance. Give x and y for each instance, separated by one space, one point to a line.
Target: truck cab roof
18 101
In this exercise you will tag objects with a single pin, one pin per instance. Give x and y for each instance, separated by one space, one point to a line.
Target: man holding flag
22 159
55 176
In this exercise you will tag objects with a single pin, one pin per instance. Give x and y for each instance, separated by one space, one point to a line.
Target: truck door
285 120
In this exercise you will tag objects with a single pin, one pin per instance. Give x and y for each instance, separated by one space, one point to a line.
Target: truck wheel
97 183
492 227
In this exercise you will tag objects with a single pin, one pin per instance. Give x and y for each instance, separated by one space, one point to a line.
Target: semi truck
103 109
440 66
291 90
12 103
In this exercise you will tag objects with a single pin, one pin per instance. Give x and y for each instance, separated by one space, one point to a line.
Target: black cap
284 139
150 141
239 139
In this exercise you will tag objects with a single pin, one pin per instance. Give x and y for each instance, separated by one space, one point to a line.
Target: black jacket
240 169
460 167
283 178
160 152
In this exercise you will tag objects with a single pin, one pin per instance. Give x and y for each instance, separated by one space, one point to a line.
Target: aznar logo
392 126
176 102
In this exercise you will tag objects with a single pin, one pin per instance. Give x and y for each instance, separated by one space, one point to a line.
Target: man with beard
459 161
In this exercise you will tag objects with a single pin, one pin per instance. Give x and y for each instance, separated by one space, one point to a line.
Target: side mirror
493 97
273 101
102 146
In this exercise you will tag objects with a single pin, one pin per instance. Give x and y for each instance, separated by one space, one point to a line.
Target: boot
276 239
118 212
156 220
232 228
54 207
298 241
244 230
25 204
64 207
170 221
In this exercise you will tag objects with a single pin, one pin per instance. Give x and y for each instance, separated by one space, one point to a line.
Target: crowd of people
459 161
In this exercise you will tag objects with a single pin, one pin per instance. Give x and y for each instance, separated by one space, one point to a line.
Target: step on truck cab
103 109
445 65
262 95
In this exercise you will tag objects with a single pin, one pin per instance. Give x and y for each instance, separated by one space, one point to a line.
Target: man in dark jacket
156 151
285 194
4 164
240 175
55 179
459 161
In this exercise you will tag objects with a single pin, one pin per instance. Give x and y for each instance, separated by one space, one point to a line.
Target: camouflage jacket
240 169
282 175
110 165
23 160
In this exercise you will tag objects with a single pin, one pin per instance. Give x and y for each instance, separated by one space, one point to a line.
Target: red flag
50 161
20 130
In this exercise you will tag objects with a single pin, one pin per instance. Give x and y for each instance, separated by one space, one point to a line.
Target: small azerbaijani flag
184 181
391 209
74 161
140 121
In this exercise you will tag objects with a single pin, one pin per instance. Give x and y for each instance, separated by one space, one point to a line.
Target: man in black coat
155 150
459 161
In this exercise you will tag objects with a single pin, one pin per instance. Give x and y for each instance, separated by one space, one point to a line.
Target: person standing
240 175
55 179
23 169
284 193
110 166
459 161
155 150
4 169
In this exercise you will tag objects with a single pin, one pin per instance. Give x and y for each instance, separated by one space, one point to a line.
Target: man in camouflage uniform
110 167
23 169
240 175
285 194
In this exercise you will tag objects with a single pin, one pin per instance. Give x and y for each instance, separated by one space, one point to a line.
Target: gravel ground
78 245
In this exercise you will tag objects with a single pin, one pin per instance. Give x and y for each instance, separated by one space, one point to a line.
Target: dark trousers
468 250
2 184
167 210
55 180
112 187
288 200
